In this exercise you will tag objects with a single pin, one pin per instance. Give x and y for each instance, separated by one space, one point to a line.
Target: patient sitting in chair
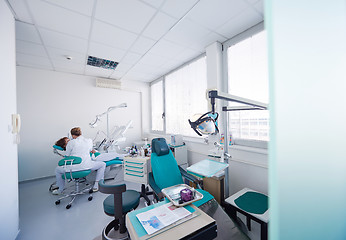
62 142
79 147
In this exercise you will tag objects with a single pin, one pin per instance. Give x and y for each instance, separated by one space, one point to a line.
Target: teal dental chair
118 205
166 173
165 170
77 177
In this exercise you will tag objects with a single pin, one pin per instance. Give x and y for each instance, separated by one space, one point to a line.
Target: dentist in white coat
79 147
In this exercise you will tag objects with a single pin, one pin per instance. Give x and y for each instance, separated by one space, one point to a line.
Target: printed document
160 217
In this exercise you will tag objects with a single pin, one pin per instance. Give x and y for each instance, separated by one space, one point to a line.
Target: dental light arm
98 117
251 104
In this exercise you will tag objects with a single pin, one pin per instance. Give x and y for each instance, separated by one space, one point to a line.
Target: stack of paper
160 217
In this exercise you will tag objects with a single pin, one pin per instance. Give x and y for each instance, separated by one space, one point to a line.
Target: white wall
9 213
51 103
307 150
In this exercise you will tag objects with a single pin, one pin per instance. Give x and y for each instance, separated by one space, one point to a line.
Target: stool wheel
90 198
91 191
57 202
68 206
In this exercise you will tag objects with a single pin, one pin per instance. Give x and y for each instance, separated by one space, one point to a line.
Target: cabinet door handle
134 175
138 163
133 166
133 171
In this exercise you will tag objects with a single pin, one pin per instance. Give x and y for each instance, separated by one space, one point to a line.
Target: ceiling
148 38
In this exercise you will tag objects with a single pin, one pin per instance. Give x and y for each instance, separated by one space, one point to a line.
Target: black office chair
118 205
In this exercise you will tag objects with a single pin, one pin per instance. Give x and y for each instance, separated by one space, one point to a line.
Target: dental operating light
205 124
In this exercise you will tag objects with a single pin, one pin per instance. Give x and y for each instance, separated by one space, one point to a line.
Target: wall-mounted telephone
15 123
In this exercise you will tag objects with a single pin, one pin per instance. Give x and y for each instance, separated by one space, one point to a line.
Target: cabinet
180 154
136 169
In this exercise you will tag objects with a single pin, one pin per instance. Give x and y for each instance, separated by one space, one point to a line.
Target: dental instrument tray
175 193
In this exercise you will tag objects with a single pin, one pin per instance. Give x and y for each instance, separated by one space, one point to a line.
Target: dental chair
165 170
109 164
77 177
166 173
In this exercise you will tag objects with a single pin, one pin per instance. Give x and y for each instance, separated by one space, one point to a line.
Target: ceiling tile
63 41
105 52
139 76
171 65
30 48
112 36
117 75
21 11
80 6
33 61
131 15
131 58
159 26
67 66
98 72
142 45
123 67
186 55
59 19
153 60
27 32
61 54
166 49
144 68
154 3
178 8
186 33
213 14
240 23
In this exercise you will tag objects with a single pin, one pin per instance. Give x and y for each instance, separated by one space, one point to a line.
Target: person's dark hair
76 131
62 142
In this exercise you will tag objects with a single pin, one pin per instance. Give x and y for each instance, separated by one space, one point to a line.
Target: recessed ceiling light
102 63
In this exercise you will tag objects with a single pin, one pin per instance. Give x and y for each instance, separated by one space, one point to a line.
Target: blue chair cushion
58 148
113 161
77 174
130 201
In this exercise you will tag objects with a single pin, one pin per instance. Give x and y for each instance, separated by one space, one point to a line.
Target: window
185 96
248 78
157 110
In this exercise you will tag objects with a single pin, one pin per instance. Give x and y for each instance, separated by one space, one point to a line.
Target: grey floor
40 218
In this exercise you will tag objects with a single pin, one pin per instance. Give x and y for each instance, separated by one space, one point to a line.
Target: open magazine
160 217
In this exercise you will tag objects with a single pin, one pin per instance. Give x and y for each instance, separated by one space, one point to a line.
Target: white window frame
163 78
238 38
164 107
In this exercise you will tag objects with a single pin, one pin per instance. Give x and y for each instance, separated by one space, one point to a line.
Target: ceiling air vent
108 83
102 63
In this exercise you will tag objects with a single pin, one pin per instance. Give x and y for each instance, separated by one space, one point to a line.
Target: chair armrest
190 177
154 186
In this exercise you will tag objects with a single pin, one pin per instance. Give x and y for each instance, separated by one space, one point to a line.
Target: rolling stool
253 204
118 205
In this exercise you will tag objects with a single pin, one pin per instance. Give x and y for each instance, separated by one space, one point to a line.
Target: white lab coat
80 147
